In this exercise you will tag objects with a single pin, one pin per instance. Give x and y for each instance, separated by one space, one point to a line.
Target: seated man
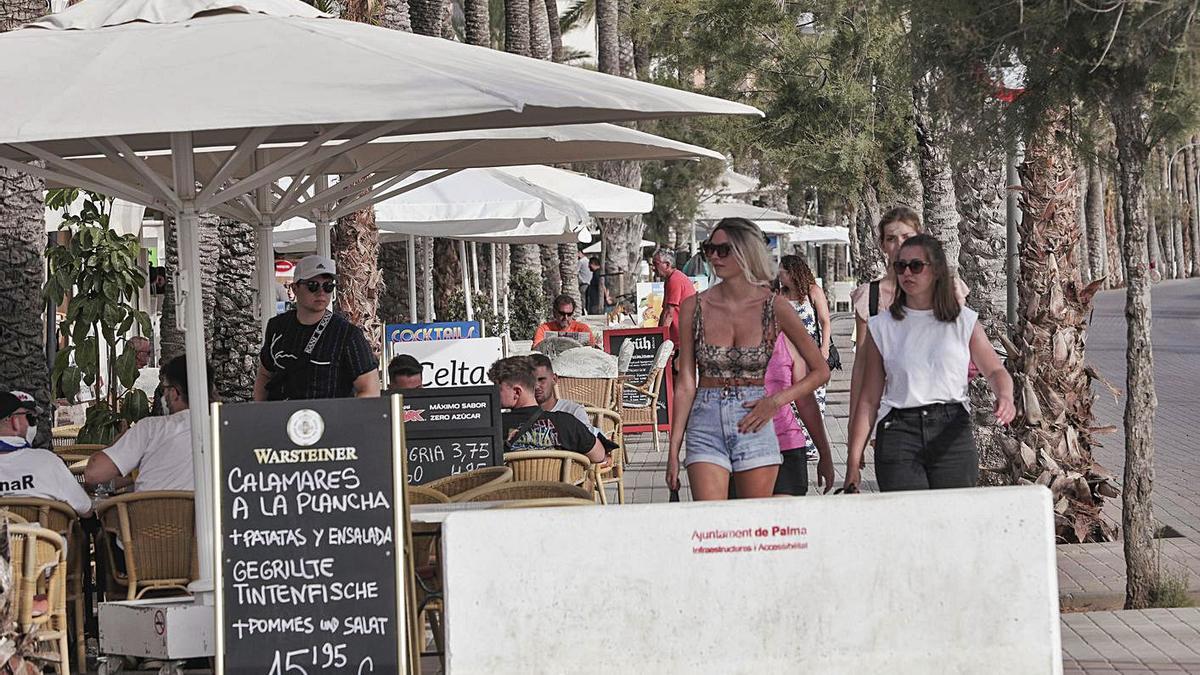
529 427
405 372
159 447
32 472
564 324
545 381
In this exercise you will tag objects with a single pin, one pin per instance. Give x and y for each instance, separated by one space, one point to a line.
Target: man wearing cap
32 472
312 352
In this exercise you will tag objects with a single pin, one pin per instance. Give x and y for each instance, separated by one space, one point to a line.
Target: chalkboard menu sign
313 528
451 430
646 342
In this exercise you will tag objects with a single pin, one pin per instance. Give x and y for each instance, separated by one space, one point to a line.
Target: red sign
284 266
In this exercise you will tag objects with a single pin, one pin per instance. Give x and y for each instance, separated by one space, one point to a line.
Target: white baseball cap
27 402
314 266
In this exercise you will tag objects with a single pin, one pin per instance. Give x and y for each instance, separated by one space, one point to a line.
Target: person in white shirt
26 471
915 358
159 447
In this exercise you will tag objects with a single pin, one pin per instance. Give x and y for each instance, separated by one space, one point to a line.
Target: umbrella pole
266 274
193 312
475 264
323 226
412 278
495 298
466 280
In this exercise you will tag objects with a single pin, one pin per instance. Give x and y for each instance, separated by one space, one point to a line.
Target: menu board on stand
646 342
451 430
313 528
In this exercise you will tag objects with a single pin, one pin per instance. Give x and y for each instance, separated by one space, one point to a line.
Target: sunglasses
712 250
314 286
916 266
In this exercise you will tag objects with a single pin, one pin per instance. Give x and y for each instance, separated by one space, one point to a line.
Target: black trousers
925 448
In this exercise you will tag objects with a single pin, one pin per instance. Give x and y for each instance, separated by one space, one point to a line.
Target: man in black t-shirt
311 352
551 430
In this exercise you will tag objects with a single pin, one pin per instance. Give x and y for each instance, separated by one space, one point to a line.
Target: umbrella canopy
601 199
813 234
223 67
712 212
595 248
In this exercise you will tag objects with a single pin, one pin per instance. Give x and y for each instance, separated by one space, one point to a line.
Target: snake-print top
735 362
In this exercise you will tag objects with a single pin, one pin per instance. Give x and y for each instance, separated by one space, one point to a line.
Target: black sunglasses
917 266
711 250
314 286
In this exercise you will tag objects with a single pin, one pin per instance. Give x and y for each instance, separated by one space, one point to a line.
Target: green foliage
456 310
578 15
832 77
99 269
527 304
1171 590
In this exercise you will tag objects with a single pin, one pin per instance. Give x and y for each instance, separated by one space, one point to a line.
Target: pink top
777 378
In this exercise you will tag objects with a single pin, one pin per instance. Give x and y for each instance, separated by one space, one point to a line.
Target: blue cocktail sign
427 332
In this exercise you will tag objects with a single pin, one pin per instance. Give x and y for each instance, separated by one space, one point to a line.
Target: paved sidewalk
1146 641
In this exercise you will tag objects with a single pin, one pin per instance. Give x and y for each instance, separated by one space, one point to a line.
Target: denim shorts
712 435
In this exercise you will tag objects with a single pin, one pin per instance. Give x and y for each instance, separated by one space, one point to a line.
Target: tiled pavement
1146 641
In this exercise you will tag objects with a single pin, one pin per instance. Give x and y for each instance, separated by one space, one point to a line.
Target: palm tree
1051 441
478 22
23 230
1096 231
979 188
516 27
236 322
940 216
170 337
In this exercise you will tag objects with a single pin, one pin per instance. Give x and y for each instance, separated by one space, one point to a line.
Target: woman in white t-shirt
915 358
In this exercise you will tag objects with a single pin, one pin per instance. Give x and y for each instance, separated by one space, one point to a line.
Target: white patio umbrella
244 73
714 211
595 248
601 198
814 234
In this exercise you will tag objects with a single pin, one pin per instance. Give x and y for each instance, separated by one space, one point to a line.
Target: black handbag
835 359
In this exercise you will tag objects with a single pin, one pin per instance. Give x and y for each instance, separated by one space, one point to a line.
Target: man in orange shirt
677 287
564 324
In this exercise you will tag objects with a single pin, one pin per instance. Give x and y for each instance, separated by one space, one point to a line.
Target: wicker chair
12 518
61 519
592 392
609 424
646 412
457 486
65 435
419 494
75 452
563 466
534 489
156 529
39 567
548 501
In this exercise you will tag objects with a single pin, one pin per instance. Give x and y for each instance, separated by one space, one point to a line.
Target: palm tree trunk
516 27
568 270
477 17
395 15
979 187
1167 232
356 254
447 274
869 263
941 217
1096 231
540 46
235 322
1141 554
393 268
426 17
1051 439
1193 175
1084 254
23 363
556 44
608 58
1177 219
1112 237
171 338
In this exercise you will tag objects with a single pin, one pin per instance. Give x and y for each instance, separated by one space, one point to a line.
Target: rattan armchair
38 559
60 518
609 424
156 530
645 412
593 392
75 452
459 486
421 494
536 489
65 435
562 466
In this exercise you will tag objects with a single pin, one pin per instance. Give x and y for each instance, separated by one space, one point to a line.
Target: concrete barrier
954 581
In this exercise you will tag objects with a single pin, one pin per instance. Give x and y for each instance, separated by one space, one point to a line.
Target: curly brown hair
799 273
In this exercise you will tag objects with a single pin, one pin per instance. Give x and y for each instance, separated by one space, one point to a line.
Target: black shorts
793 474
792 478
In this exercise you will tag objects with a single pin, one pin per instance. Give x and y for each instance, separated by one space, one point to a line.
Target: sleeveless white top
924 360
